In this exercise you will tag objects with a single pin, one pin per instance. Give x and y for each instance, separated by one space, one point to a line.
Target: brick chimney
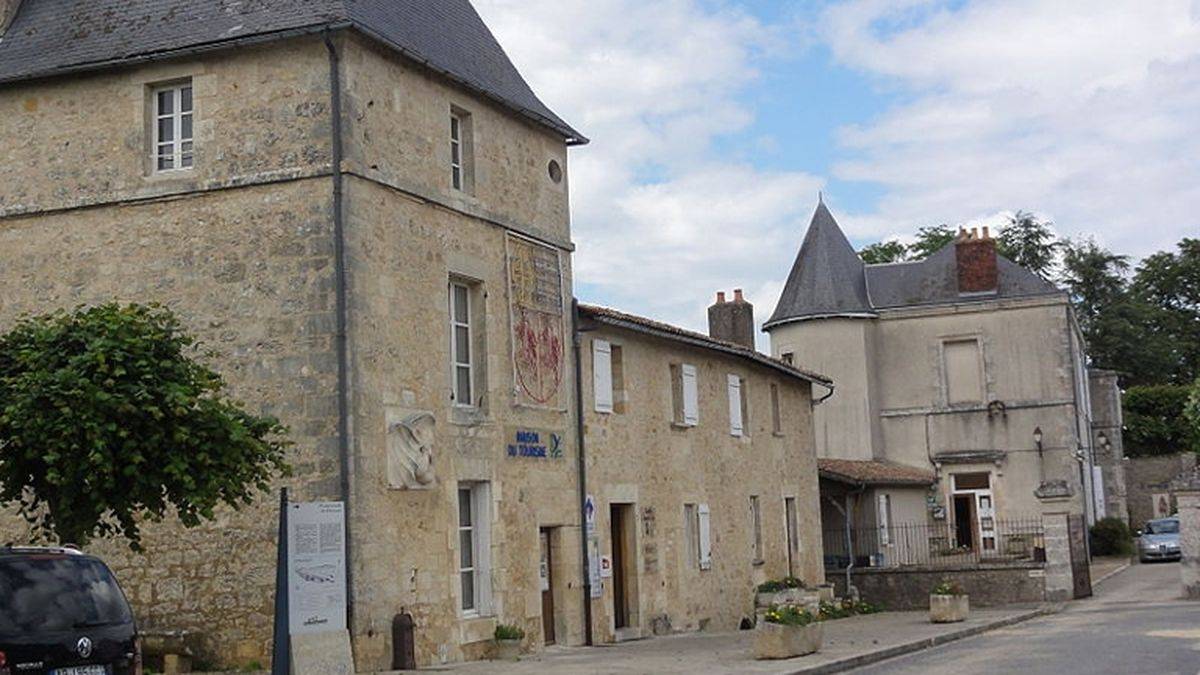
976 257
732 321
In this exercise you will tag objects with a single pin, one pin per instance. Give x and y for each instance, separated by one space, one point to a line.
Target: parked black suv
62 613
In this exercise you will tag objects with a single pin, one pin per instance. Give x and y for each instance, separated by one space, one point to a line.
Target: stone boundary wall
907 588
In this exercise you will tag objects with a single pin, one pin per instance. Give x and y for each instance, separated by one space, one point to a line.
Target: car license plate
81 670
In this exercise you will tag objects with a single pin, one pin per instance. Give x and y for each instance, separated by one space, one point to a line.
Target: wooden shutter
602 375
735 405
691 396
705 537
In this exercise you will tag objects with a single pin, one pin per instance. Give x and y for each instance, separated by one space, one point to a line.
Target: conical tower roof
827 279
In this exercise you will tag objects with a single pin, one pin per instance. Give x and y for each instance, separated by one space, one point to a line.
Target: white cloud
1084 111
661 220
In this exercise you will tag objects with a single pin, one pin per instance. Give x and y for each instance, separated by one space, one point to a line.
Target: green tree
930 240
1155 421
1117 327
1191 413
1030 243
1170 282
107 419
884 252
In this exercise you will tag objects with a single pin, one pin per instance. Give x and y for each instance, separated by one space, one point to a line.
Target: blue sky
715 122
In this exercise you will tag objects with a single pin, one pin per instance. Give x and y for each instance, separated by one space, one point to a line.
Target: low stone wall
907 588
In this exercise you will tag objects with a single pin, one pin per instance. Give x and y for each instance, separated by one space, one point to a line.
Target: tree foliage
1031 243
107 418
1155 421
930 240
884 252
1191 413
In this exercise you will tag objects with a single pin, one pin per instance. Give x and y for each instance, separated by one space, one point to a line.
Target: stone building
1151 485
701 464
963 365
1108 424
362 209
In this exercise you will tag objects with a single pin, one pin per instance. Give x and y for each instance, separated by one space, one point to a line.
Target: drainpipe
341 310
576 347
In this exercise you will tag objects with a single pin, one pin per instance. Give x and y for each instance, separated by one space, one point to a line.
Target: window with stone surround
963 368
756 523
172 127
474 546
462 151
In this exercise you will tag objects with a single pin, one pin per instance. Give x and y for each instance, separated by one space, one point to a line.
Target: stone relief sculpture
410 453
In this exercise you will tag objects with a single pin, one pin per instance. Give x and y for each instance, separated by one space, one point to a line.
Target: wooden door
620 554
546 574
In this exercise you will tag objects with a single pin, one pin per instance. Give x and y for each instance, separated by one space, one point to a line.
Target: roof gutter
714 346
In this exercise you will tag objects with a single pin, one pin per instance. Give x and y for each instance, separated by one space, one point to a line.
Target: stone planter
508 650
948 608
777 641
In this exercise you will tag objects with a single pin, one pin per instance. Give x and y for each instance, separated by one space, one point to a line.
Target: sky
715 123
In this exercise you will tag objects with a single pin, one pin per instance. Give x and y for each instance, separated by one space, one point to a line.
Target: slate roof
666 331
51 37
827 277
861 472
830 279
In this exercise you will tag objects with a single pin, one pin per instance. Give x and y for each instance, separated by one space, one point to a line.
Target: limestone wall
248 272
638 457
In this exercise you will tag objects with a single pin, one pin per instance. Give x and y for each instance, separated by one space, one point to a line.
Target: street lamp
1037 438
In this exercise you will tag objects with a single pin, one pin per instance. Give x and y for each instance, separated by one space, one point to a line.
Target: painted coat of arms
538 327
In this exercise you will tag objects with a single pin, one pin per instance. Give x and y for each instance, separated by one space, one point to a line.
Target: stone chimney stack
732 321
8 12
976 256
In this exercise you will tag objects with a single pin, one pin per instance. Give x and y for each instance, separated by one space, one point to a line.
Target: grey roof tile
827 277
50 37
830 279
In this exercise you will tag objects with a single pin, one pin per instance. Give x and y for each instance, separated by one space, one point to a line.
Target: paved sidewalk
848 643
1107 567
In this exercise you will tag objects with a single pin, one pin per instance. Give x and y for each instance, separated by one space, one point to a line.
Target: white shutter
705 537
885 524
735 405
691 396
602 375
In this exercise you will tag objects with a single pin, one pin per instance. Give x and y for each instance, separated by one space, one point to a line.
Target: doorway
793 535
623 564
964 521
546 577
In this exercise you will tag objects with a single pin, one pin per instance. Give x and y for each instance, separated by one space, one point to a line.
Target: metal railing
996 541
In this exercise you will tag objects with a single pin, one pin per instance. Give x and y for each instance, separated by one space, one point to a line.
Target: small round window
555 171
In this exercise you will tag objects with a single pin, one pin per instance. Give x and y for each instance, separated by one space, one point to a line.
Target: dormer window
173 148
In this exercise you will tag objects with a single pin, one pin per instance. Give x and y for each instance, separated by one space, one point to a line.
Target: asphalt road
1134 624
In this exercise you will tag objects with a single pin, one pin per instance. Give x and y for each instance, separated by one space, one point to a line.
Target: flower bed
787 631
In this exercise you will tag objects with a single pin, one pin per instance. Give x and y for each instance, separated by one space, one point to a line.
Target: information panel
316 567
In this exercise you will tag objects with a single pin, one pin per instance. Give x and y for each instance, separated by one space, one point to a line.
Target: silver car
1159 540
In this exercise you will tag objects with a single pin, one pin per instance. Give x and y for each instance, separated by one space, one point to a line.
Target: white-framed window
461 150
173 112
474 545
602 375
462 345
756 523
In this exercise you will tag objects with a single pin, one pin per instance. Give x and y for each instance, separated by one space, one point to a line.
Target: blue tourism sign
533 443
